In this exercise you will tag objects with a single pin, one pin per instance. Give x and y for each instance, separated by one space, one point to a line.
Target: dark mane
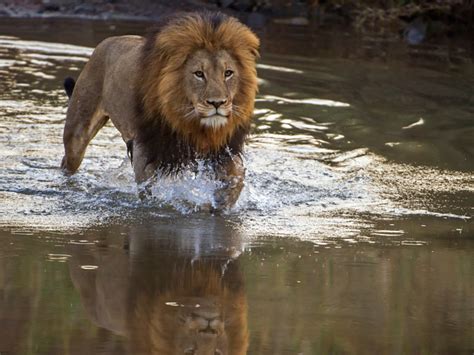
169 144
170 152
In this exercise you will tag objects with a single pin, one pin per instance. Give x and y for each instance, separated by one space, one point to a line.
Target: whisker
185 108
238 114
237 110
189 114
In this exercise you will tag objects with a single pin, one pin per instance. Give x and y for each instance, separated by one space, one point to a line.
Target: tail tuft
69 84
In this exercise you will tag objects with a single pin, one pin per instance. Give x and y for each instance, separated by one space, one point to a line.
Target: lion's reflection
165 296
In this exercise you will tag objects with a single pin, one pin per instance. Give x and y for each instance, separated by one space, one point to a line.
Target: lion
183 94
163 299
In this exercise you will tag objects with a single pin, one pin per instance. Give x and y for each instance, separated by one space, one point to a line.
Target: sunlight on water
353 233
43 47
312 101
301 179
278 68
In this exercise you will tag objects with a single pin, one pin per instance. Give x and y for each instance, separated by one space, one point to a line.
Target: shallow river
353 234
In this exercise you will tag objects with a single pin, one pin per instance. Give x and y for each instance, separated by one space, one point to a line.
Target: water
353 234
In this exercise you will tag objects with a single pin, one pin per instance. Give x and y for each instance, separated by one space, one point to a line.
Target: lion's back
113 59
111 74
119 54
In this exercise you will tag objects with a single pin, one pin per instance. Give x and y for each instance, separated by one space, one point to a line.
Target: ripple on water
302 178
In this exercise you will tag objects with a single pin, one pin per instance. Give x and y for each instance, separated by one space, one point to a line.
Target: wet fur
138 84
171 142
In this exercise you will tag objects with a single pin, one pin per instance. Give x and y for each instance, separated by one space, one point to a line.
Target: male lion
184 93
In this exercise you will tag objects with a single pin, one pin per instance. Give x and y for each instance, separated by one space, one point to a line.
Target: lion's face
211 82
199 315
201 329
199 77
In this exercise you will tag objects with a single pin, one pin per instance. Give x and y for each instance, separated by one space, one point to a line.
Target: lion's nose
216 102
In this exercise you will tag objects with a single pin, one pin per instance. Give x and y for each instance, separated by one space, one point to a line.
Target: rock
415 32
5 10
87 9
50 8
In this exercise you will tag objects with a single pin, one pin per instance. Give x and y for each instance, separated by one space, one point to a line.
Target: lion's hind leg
84 119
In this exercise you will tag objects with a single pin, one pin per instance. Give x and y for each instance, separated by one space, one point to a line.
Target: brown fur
140 84
166 51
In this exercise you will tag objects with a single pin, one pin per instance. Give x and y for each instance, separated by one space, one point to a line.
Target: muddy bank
414 22
98 9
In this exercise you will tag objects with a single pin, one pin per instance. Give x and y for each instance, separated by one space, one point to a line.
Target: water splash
192 190
303 178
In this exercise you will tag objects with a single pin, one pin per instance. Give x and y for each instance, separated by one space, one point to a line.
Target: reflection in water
166 298
363 299
369 161
134 290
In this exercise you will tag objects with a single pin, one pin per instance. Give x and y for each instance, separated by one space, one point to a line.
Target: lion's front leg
231 173
145 172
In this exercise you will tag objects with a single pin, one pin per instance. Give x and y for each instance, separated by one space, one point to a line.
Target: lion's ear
250 46
255 53
254 44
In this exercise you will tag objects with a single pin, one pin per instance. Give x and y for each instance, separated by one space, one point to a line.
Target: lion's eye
199 74
228 73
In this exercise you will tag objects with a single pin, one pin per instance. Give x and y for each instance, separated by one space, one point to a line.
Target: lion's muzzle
216 102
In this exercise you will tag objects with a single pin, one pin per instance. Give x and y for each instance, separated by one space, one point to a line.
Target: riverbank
415 23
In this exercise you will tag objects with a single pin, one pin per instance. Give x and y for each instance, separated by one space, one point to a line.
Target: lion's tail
69 84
